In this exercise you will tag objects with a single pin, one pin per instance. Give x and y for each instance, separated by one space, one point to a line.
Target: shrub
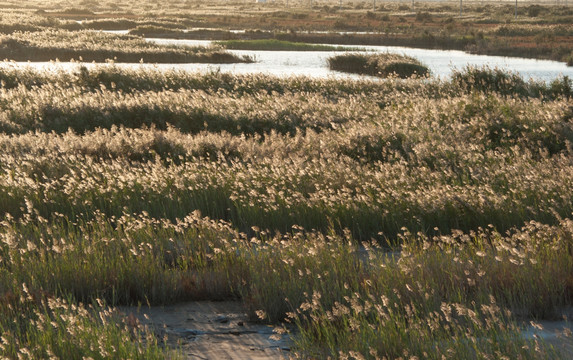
381 65
506 83
423 16
534 10
561 87
487 79
78 11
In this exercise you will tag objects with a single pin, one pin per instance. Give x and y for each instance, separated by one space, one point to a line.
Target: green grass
44 327
456 291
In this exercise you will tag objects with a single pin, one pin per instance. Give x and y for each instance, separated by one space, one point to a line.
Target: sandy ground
212 330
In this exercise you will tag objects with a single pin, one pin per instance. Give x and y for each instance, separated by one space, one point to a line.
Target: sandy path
212 330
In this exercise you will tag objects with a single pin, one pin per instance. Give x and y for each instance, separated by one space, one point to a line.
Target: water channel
314 63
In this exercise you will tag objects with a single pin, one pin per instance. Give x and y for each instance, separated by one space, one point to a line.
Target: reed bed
91 46
381 65
539 31
279 45
136 186
357 146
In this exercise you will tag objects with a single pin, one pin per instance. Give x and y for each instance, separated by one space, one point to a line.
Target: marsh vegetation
90 46
381 219
280 45
380 65
132 186
539 31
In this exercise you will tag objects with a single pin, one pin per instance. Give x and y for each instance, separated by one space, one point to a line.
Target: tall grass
458 295
381 65
357 148
507 83
278 45
96 46
56 328
285 194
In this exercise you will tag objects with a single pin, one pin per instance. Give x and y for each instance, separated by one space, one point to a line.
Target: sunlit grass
100 47
279 45
441 295
286 194
382 219
380 65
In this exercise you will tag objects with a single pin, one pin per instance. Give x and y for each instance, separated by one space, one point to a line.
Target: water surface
314 63
440 62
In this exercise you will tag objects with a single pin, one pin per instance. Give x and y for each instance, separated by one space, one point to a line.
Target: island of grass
279 45
99 47
379 64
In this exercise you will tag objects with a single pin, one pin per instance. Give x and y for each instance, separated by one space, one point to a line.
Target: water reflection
440 62
314 63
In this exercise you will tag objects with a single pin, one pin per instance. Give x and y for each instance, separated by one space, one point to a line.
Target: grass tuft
380 65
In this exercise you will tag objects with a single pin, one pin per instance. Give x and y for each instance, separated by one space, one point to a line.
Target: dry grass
285 193
100 47
540 31
380 65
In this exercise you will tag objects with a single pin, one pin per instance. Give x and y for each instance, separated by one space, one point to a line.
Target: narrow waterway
440 62
315 64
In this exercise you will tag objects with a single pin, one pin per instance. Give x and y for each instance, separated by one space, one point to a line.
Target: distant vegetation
539 31
96 46
382 219
280 45
172 186
381 65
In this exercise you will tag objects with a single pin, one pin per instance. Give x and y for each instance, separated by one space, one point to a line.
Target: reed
380 65
279 45
101 47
